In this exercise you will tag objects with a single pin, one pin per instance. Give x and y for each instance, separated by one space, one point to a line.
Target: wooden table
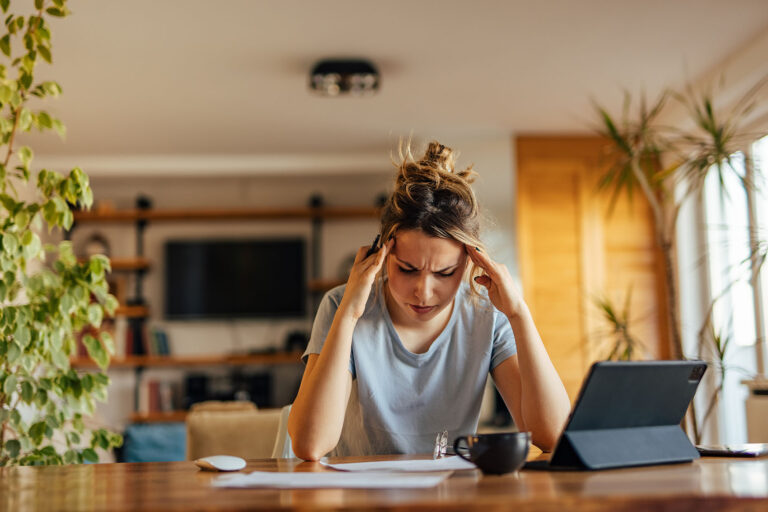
707 484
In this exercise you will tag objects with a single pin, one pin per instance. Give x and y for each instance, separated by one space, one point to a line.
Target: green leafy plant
47 296
718 344
758 255
623 345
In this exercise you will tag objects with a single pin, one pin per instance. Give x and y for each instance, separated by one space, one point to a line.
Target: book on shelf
135 338
158 342
120 336
167 398
128 339
159 396
138 328
138 339
154 395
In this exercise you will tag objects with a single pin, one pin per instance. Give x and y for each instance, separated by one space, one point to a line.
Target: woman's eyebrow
446 269
403 262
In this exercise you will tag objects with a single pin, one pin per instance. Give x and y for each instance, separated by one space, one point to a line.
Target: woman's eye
412 270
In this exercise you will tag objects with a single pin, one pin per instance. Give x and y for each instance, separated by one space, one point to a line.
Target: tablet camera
697 372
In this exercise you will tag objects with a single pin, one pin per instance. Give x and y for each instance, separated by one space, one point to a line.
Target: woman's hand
361 279
498 281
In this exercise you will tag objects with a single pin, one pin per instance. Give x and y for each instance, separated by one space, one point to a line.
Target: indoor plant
622 344
47 295
669 165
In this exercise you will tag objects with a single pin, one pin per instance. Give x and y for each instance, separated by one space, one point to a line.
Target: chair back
283 448
231 428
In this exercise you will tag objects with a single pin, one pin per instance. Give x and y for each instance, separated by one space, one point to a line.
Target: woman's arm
527 381
317 414
531 387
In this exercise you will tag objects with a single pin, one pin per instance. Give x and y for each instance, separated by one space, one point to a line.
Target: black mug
494 454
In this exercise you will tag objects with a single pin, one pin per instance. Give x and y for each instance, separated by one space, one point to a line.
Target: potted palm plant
668 166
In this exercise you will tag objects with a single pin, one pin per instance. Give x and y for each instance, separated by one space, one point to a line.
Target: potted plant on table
46 295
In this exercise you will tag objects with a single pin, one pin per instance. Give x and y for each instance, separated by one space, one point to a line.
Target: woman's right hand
361 279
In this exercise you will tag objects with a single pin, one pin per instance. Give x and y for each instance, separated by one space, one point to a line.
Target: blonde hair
431 196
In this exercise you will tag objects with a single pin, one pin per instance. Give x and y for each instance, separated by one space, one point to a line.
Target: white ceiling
186 77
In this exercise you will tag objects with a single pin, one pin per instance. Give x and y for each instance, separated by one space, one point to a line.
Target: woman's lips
421 309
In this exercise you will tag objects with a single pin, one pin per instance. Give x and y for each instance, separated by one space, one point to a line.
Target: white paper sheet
443 464
337 480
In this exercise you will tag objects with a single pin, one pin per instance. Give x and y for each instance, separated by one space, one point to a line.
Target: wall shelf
126 264
132 311
129 264
131 216
193 361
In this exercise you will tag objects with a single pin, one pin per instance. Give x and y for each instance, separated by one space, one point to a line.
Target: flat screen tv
249 278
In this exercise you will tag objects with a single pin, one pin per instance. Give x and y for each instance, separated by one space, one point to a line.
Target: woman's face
424 274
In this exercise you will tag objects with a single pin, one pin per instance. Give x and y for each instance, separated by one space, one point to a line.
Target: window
736 303
760 157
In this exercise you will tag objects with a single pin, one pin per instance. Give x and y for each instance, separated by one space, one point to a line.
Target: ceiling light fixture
333 77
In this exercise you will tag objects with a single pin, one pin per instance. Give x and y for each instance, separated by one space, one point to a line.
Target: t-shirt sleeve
503 339
322 324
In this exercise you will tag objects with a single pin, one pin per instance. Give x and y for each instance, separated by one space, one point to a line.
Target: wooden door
572 253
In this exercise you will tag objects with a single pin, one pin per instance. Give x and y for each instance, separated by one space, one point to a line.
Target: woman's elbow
303 446
306 448
307 452
546 443
546 437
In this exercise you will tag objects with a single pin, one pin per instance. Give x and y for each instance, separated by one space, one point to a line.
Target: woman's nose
423 290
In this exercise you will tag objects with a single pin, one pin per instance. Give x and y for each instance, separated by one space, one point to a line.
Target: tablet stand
623 447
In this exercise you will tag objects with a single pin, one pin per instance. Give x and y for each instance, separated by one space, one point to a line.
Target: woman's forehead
417 248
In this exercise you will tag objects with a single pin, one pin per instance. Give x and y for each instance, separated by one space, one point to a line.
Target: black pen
374 246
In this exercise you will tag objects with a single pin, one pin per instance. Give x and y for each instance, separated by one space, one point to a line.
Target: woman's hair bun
430 194
439 156
437 166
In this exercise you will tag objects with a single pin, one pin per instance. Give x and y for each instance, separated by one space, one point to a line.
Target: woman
393 361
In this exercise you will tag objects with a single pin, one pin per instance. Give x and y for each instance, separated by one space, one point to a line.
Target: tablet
628 413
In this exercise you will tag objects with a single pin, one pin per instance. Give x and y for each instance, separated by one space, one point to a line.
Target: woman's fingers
364 252
361 252
377 259
382 254
484 281
481 259
365 261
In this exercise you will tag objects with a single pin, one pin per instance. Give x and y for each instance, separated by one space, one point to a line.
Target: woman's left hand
498 281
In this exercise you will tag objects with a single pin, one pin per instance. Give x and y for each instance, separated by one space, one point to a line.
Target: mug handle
456 446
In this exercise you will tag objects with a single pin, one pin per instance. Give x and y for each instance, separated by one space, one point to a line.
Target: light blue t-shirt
401 400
